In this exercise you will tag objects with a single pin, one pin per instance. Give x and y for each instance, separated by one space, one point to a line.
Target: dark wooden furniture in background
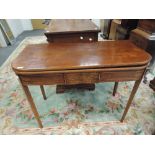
152 84
121 28
124 29
72 30
144 37
108 61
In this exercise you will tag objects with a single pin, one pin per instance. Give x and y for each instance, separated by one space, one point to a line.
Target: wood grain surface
66 56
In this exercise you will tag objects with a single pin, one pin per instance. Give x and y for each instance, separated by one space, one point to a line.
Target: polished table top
66 56
71 25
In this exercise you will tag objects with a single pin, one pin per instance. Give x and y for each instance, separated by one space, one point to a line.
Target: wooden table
72 30
77 63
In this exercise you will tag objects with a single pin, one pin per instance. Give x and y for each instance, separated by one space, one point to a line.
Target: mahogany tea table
78 63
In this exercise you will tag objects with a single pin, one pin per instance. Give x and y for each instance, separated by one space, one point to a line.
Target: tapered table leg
134 90
33 107
115 88
43 92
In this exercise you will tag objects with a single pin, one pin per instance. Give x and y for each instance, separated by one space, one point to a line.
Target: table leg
115 88
134 90
43 92
33 107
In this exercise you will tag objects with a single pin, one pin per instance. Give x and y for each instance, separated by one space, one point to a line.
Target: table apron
82 77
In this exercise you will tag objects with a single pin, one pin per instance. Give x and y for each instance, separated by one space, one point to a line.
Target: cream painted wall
17 26
26 23
97 22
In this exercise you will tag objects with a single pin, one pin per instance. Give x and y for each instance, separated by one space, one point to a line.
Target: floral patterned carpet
74 112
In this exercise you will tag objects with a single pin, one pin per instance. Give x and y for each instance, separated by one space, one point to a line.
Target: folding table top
69 56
